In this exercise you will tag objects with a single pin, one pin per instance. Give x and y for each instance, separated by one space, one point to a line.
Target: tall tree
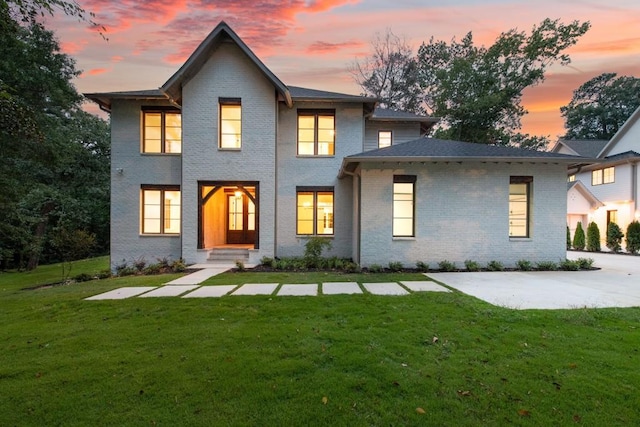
390 73
600 106
477 90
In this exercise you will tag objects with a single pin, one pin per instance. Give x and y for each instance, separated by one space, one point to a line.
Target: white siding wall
228 74
462 213
137 169
294 171
401 132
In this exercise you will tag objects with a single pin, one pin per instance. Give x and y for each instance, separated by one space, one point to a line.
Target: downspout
634 189
275 183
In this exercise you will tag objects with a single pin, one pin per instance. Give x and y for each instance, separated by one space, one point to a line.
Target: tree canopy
600 106
476 91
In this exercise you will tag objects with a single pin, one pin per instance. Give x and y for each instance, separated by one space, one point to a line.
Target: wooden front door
241 219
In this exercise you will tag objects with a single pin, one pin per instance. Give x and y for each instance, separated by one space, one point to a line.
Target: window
314 211
160 209
316 133
519 205
384 138
572 178
230 123
603 176
162 131
403 205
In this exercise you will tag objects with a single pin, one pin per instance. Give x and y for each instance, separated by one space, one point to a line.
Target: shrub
471 265
104 274
83 277
422 267
152 269
178 266
568 238
447 265
139 264
313 250
569 265
524 265
593 237
585 263
395 266
375 268
547 265
578 238
614 237
351 267
240 265
633 237
163 262
495 266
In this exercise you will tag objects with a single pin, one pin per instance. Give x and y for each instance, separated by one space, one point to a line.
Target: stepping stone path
289 289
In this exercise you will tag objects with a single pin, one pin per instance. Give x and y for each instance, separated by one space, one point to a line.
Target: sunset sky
313 43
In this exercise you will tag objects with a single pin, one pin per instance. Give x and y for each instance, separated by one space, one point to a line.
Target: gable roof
306 94
389 115
584 191
621 132
221 33
440 150
582 147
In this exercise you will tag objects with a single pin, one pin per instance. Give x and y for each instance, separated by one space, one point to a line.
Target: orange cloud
117 58
71 47
322 48
96 71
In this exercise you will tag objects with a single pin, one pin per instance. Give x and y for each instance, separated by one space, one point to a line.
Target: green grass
258 360
52 273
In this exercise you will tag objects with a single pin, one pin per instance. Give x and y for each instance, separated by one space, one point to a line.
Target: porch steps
228 255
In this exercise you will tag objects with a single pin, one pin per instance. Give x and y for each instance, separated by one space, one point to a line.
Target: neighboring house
226 156
607 190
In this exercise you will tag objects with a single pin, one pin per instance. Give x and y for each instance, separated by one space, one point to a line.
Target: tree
593 237
477 91
390 73
568 238
614 237
578 238
633 237
600 106
29 11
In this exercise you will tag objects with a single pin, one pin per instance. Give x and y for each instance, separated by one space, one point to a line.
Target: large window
160 209
384 138
519 205
230 123
316 132
603 176
404 205
162 131
314 211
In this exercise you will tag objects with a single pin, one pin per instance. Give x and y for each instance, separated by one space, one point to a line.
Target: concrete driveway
616 284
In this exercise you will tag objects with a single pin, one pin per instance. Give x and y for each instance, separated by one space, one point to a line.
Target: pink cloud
96 71
322 48
71 47
117 58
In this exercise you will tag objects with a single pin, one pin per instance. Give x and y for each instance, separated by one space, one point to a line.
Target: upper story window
519 205
230 123
162 131
160 209
316 132
384 138
404 205
572 178
603 176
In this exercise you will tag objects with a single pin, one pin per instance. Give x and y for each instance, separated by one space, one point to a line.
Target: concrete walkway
269 289
616 284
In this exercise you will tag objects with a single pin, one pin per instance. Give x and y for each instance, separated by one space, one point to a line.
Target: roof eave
104 99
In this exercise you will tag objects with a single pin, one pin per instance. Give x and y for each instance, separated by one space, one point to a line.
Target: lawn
352 360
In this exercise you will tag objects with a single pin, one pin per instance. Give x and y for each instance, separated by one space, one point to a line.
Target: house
607 190
225 160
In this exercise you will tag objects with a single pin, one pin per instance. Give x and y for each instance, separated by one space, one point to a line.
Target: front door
241 219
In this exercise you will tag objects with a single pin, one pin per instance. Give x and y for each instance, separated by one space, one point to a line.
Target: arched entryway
228 214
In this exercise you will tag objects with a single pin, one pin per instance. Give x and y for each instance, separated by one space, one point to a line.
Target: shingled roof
104 99
439 150
584 147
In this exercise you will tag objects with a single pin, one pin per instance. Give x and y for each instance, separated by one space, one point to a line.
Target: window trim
601 178
162 110
315 113
237 102
315 191
390 132
162 189
522 180
404 179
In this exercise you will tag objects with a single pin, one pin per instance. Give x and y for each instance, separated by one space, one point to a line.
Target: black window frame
163 140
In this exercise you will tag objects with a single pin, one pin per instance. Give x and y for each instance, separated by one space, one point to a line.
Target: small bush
83 277
471 265
240 265
614 237
495 266
178 266
127 271
422 267
578 238
395 266
163 263
152 269
633 237
593 237
375 268
104 274
446 265
267 261
569 265
351 267
568 238
139 264
313 250
547 265
585 263
524 265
